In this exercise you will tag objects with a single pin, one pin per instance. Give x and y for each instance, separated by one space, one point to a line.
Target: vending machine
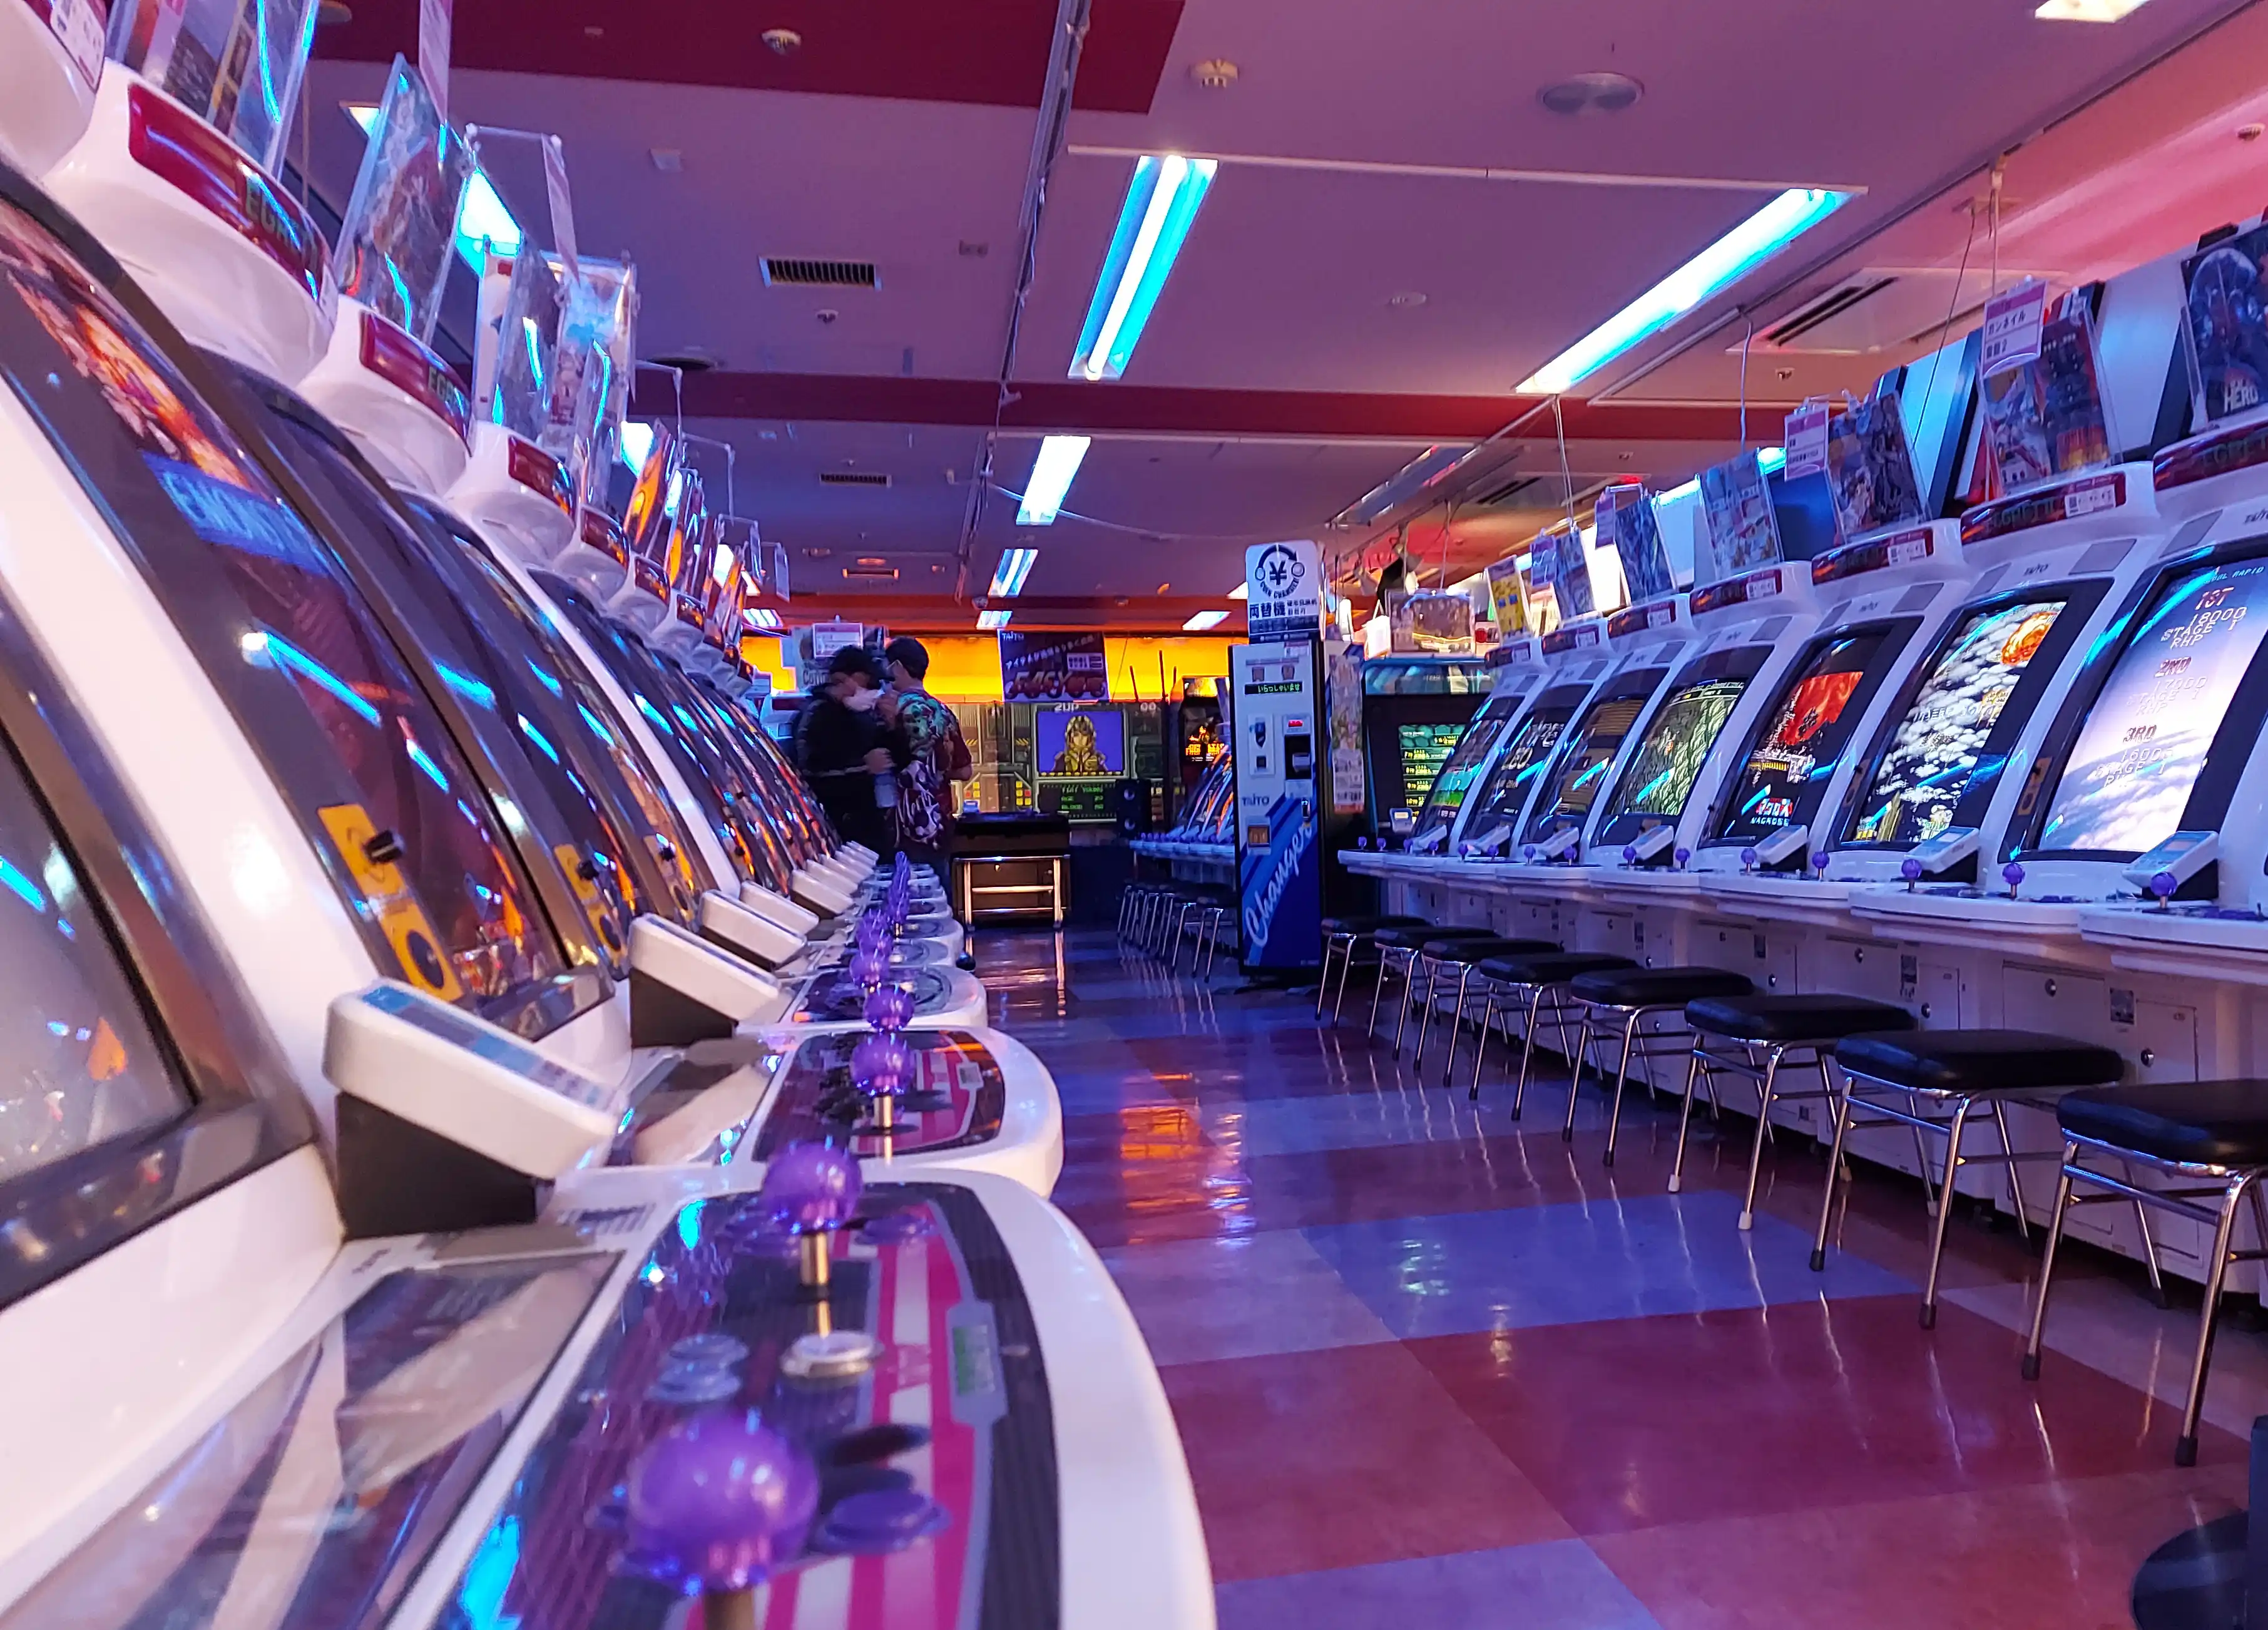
1277 705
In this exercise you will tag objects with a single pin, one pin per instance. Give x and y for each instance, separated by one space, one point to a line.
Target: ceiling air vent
819 274
885 574
854 477
1508 493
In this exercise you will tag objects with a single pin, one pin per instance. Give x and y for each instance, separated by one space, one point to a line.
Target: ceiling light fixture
1715 268
1205 619
993 619
1242 591
1008 578
1052 473
2087 10
762 616
483 222
1161 203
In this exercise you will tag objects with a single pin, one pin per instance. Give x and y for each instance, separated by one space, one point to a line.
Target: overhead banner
1053 668
1284 591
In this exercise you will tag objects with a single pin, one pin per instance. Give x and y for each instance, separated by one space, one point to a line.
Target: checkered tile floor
1434 1368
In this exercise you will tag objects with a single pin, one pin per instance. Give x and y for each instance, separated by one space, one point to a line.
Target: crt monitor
1664 766
1454 781
1078 741
1588 752
2172 718
1533 736
1805 728
1949 735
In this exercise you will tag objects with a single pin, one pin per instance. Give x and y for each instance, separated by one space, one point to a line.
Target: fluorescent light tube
637 443
1715 268
1205 619
1008 578
993 619
1161 203
1052 473
2087 10
763 616
1240 592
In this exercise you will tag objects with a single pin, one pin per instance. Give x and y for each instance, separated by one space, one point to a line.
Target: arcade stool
1958 1070
1436 953
1345 935
1466 956
2212 1131
1627 997
1538 979
1405 943
1730 1031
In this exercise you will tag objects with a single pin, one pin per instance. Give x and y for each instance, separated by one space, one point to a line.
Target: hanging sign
1054 668
433 22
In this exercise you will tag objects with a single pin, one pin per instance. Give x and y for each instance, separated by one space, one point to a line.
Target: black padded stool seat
1657 987
1418 935
1370 924
1973 1062
1810 1017
1481 950
1551 967
2192 1124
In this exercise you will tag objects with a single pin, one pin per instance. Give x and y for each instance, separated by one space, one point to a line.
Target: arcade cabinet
1414 713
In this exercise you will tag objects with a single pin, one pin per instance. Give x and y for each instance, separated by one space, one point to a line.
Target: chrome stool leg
1480 1047
1695 1064
1456 1022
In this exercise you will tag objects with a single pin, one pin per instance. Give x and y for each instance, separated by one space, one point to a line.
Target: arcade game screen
1805 730
1919 782
1424 749
1581 766
1521 761
1456 777
1669 756
2128 777
1078 741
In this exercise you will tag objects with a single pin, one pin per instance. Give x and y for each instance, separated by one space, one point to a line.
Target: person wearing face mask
850 748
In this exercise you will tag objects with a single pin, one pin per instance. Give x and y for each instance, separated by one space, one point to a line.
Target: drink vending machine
1279 709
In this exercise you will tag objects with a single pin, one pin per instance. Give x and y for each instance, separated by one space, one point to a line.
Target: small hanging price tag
1805 441
2013 321
563 207
433 25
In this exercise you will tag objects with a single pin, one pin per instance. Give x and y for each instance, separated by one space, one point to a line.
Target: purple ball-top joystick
2162 885
2012 874
1527 854
1630 854
873 930
716 1506
1819 862
1747 859
810 1190
881 1068
1681 857
1910 869
869 968
890 1008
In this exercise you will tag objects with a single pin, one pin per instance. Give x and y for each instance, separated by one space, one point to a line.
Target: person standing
849 745
937 756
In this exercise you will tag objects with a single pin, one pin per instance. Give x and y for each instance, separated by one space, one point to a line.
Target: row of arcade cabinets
1999 764
480 1149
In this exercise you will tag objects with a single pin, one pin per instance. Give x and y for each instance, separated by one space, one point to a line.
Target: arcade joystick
1527 854
1747 859
869 968
2162 885
880 1065
810 1189
890 1008
1819 863
2012 874
1910 869
1630 854
716 1506
1681 857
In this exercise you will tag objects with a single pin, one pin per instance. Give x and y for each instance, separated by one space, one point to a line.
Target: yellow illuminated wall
966 667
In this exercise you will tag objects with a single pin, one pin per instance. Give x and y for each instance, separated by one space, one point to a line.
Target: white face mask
863 701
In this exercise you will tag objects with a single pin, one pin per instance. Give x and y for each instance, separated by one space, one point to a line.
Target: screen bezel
1742 663
1465 743
1560 699
2216 786
1637 685
2080 597
1897 635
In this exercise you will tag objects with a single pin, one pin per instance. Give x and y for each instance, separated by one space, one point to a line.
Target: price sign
1805 440
2013 321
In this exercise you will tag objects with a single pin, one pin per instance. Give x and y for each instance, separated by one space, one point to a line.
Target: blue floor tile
1562 1583
1574 1264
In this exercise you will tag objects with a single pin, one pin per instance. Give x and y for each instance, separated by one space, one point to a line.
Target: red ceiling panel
983 51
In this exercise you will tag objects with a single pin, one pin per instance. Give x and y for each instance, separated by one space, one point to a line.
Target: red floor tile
1330 1459
1638 1422
2058 1556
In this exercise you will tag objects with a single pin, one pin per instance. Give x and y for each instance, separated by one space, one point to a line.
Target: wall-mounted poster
1053 668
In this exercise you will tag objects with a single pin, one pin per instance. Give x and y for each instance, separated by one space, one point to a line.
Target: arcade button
879 1520
834 1355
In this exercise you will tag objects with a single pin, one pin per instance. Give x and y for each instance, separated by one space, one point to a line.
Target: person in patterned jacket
938 756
